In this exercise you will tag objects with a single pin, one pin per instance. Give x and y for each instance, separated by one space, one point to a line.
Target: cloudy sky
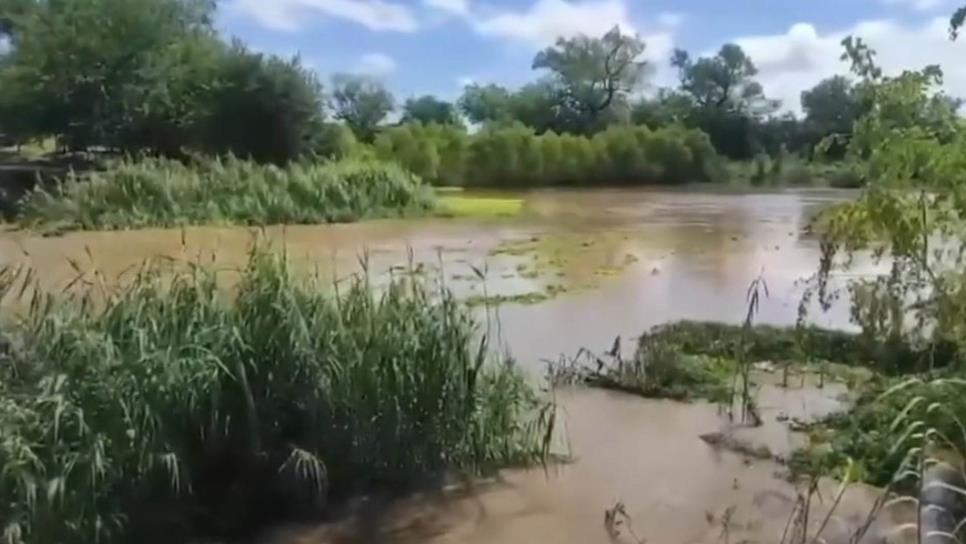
436 46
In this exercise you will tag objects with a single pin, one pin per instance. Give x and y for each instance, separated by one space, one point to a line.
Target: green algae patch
451 205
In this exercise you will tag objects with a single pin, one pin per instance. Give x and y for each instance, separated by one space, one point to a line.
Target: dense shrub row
516 156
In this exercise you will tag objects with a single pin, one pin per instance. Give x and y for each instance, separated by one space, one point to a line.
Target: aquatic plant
165 193
168 408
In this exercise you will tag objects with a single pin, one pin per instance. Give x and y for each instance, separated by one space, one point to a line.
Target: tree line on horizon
155 76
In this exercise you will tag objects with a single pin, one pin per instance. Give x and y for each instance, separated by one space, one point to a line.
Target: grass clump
657 370
166 193
167 408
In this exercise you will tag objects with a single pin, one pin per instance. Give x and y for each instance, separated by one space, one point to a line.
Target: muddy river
577 269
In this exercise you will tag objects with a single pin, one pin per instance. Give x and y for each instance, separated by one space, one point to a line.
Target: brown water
618 262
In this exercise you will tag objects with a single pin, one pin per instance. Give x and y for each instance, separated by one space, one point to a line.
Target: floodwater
606 263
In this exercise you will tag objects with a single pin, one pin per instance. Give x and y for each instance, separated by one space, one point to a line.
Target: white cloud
455 7
546 20
671 19
798 59
463 81
376 64
290 15
918 5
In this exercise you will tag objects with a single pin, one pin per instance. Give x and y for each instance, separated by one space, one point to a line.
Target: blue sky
435 46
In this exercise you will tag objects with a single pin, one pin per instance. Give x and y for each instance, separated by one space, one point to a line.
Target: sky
438 46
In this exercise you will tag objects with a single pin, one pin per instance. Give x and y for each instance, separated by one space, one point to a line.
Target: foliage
726 98
871 434
514 155
593 73
724 82
793 171
160 410
912 149
429 109
265 108
658 369
362 102
486 103
831 108
108 85
770 343
152 75
165 193
910 215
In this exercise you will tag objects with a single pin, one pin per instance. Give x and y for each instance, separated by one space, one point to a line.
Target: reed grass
165 193
167 409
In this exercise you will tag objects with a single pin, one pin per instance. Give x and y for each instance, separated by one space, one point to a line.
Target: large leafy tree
831 108
486 103
88 69
592 74
831 105
265 108
362 102
728 103
428 109
724 82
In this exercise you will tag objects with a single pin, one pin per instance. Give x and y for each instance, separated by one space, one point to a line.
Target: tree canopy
429 109
592 73
362 102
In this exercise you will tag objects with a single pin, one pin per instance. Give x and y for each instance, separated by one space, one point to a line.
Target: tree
956 22
265 108
668 107
486 103
362 102
116 51
724 82
831 104
728 102
831 108
593 73
429 109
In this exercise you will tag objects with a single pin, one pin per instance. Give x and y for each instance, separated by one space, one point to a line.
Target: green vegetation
464 206
180 89
161 192
802 344
872 433
517 156
165 409
658 369
910 148
792 171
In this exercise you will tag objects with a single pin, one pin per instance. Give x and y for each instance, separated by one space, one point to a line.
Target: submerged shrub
168 408
164 193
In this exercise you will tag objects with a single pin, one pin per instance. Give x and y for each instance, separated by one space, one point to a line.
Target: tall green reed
169 407
164 193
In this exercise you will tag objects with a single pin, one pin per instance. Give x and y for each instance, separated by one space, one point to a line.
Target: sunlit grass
471 206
